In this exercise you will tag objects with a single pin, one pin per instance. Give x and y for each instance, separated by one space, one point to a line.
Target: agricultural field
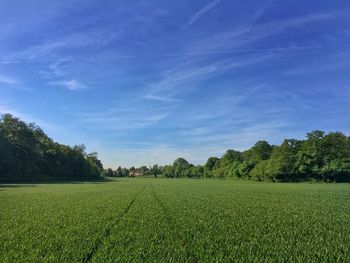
175 220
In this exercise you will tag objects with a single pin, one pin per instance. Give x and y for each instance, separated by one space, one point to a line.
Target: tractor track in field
190 257
107 230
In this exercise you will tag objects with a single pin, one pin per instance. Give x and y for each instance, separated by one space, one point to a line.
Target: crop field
175 220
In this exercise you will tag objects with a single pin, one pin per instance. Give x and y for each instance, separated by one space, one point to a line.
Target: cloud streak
7 80
201 13
244 38
161 99
113 122
131 114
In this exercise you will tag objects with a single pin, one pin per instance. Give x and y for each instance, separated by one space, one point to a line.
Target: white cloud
71 84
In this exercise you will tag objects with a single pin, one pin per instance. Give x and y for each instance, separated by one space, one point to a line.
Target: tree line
320 156
28 154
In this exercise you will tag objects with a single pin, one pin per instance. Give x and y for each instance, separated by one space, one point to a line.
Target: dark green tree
28 154
155 170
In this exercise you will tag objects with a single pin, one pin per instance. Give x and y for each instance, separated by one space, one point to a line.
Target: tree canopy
28 154
320 156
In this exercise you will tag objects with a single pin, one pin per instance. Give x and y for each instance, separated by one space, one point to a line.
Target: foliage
321 156
155 170
28 154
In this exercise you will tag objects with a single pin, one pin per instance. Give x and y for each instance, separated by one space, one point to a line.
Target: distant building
136 173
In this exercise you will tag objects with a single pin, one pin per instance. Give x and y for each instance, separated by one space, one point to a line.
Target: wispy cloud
130 114
251 33
226 42
244 137
7 80
162 99
55 69
175 76
325 64
71 84
185 75
201 13
112 122
52 50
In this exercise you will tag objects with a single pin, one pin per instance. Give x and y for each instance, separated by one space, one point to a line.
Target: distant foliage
28 154
132 172
322 157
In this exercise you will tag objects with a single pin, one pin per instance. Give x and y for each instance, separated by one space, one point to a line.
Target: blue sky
144 82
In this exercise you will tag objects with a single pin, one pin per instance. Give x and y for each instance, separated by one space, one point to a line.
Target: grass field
178 220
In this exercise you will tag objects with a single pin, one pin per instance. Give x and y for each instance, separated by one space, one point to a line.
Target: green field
175 220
